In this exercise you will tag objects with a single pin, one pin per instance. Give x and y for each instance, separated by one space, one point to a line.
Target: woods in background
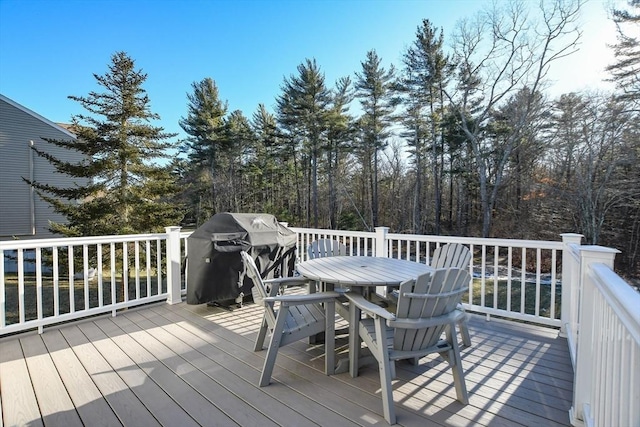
460 139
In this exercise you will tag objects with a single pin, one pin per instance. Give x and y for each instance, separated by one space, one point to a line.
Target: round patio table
361 274
362 271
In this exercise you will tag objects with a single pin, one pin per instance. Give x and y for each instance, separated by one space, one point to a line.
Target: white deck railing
501 286
47 281
604 340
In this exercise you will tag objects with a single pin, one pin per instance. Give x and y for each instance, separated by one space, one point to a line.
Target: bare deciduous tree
505 50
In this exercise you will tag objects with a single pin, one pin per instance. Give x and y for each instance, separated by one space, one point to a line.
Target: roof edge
37 116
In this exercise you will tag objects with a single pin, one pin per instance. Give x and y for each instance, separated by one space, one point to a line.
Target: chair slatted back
325 248
259 290
451 255
429 296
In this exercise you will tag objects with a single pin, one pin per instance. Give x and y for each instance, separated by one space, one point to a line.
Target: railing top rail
489 241
574 251
621 297
68 241
301 230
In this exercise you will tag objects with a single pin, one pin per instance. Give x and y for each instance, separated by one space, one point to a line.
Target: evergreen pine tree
303 108
625 72
421 83
374 88
126 190
205 126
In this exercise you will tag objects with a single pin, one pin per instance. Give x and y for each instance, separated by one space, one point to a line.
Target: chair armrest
287 281
317 297
367 306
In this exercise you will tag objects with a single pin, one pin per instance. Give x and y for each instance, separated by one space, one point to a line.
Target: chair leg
354 340
384 365
274 345
262 334
456 368
464 332
464 327
330 339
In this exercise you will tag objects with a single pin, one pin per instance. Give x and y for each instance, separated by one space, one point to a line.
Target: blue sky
51 49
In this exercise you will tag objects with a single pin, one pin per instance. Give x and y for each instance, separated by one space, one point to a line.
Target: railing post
582 378
381 242
173 265
570 283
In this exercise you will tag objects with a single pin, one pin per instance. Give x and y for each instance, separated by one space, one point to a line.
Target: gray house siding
23 214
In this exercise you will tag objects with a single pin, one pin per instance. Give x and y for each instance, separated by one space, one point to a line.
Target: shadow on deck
186 365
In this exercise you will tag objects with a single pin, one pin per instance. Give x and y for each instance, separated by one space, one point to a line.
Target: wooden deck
187 365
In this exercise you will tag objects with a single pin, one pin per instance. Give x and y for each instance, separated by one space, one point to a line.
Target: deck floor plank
19 403
122 400
54 402
163 350
301 368
89 402
189 400
311 381
195 365
164 409
282 382
226 370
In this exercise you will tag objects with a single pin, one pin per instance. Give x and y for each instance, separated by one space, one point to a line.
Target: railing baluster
56 281
85 273
3 290
159 266
72 297
538 261
125 271
21 307
148 265
483 270
99 275
552 313
509 265
137 267
471 284
496 255
39 287
523 281
112 259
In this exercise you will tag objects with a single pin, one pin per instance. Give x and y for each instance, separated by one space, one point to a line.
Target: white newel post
582 371
381 242
570 289
173 265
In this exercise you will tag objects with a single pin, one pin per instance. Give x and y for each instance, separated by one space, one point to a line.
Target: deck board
195 365
19 404
123 402
159 403
92 408
229 371
54 402
283 381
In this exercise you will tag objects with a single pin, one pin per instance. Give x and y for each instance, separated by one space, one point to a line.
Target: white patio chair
426 308
459 256
295 318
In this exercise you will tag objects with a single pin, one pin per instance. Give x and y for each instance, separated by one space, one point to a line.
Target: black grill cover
214 264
